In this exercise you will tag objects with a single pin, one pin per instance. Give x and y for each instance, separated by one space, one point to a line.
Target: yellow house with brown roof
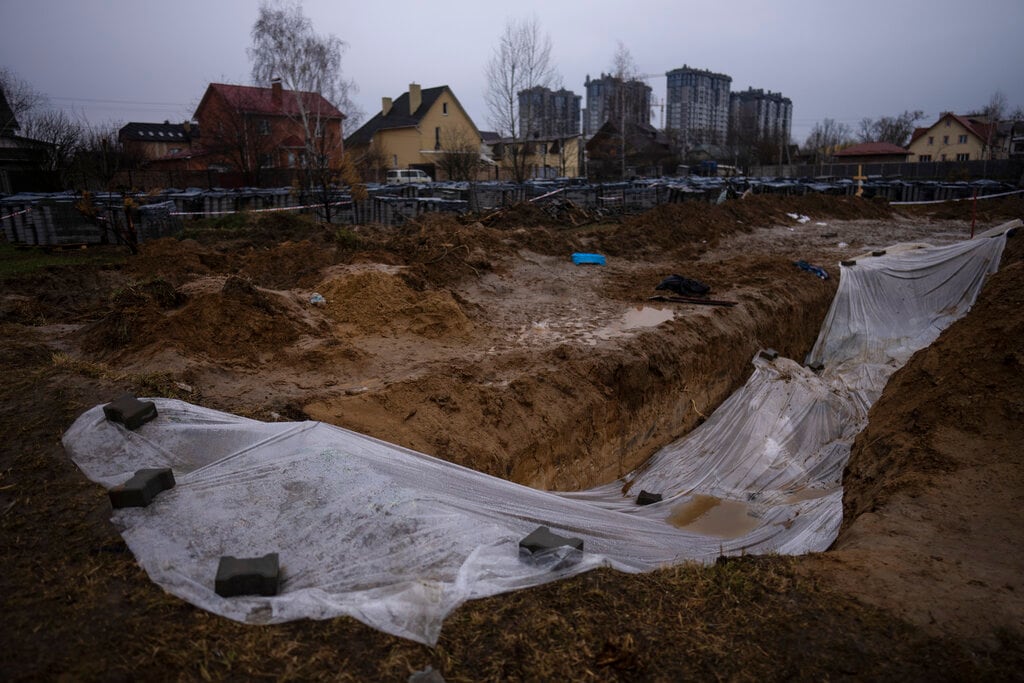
953 138
415 131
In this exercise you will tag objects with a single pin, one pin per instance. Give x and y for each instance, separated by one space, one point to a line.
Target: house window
291 159
394 161
923 158
263 127
945 139
437 138
444 108
962 140
963 157
931 139
943 157
266 161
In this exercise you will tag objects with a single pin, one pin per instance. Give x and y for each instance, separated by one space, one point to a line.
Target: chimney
275 91
187 126
415 98
385 106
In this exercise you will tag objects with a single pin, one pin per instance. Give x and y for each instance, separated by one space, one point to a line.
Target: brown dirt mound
987 210
134 309
521 215
237 322
817 205
288 265
688 228
374 302
442 251
903 446
176 261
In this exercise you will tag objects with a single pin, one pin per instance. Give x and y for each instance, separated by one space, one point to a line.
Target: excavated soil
480 342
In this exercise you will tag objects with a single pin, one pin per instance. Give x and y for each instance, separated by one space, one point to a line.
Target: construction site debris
683 286
816 270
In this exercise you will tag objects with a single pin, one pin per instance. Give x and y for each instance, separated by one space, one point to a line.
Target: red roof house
248 129
871 153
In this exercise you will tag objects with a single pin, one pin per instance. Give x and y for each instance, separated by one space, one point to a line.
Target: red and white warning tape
16 213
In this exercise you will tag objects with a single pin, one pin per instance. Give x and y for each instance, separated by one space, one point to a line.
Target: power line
106 101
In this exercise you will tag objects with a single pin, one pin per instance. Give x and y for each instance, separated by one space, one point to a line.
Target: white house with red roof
955 138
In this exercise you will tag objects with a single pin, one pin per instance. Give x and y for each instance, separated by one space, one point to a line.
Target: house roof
8 123
975 126
873 149
255 100
398 116
158 132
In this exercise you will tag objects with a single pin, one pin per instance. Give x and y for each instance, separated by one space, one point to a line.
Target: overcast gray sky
144 60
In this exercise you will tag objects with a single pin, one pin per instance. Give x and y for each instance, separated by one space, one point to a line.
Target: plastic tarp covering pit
398 539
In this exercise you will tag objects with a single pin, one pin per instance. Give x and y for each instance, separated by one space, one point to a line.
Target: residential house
22 159
147 141
872 153
250 130
954 138
545 157
648 152
415 130
1015 140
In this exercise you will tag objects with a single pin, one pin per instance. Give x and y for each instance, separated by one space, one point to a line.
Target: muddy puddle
713 516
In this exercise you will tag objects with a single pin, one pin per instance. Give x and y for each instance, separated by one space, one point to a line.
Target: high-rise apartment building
697 105
547 114
611 98
767 115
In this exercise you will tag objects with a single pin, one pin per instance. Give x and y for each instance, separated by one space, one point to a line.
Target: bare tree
866 130
460 154
238 139
895 130
996 108
22 99
750 144
372 163
521 61
285 46
100 156
628 99
63 136
826 137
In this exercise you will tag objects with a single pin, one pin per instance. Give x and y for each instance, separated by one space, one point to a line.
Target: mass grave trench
587 415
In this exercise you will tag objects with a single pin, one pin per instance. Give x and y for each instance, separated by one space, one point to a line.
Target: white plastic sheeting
398 539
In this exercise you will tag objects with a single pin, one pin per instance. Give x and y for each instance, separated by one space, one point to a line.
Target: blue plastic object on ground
594 259
804 265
